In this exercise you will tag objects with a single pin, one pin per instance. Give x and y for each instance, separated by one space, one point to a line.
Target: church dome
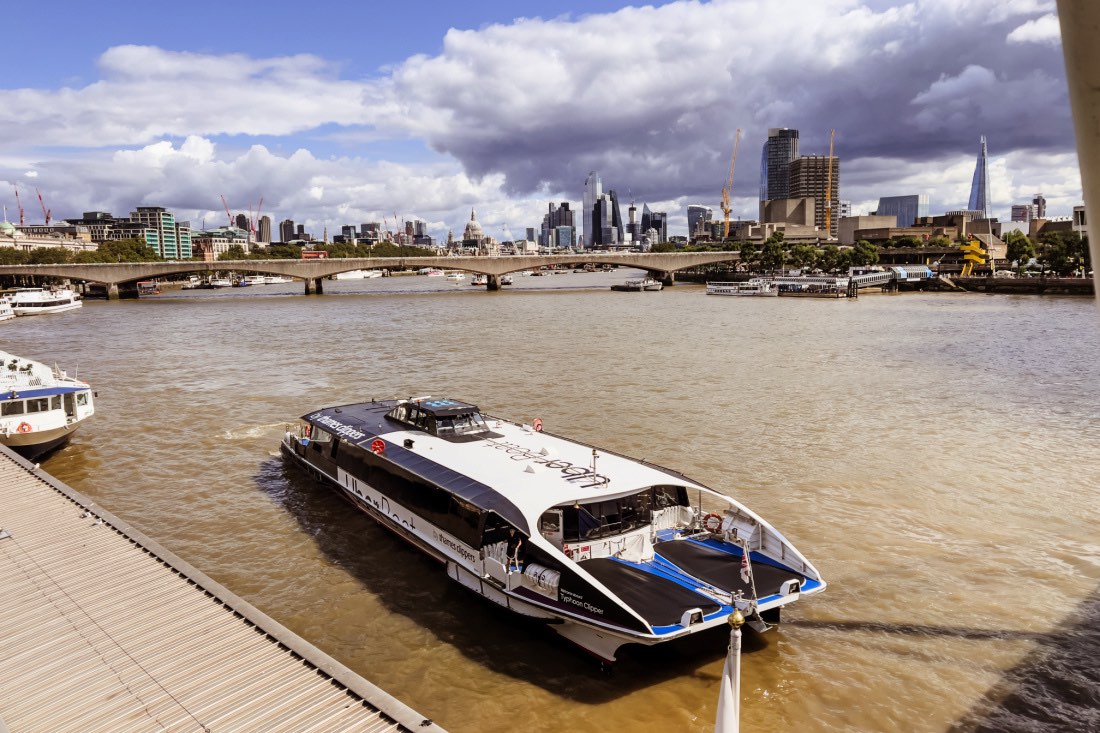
7 228
473 229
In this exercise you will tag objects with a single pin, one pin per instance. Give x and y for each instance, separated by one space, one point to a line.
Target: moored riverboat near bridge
40 407
605 549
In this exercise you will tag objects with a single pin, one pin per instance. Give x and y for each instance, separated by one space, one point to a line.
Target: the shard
979 188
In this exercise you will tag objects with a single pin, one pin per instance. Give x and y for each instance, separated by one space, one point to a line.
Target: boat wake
254 431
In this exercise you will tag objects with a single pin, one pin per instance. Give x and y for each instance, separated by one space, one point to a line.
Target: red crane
45 211
19 205
226 205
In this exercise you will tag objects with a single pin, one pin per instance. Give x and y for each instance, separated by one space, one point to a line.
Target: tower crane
45 211
829 189
729 185
19 205
226 205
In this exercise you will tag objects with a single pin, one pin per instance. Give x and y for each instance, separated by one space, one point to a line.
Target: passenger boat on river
39 301
40 407
614 551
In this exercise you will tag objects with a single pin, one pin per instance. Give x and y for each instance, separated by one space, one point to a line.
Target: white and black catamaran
614 550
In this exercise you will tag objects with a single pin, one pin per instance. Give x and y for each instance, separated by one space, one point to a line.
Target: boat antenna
593 463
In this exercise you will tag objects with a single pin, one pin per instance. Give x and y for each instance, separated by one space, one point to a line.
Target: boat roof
513 470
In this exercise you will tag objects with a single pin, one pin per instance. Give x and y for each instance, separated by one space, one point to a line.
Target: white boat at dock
40 407
277 279
479 279
39 301
6 312
757 286
455 276
605 549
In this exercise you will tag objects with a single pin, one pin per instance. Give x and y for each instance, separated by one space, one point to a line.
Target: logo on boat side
572 474
339 428
577 600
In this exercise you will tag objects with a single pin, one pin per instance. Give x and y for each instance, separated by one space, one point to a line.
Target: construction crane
45 211
227 213
728 189
19 205
829 189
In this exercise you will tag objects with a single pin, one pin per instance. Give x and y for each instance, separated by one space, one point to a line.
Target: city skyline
346 133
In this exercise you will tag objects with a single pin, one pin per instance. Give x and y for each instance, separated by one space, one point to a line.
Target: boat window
399 413
12 408
609 517
471 422
550 522
319 438
82 398
55 402
39 404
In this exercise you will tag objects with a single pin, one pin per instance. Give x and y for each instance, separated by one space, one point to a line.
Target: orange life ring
716 526
307 430
24 427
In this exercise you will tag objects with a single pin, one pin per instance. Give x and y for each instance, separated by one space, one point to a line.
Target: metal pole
728 718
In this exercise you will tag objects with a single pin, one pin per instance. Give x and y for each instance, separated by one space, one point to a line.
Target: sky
334 114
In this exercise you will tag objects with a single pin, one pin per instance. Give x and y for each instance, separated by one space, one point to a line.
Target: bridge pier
112 291
493 282
668 279
314 286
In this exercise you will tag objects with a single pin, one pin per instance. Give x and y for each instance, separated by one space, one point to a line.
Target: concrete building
1080 221
1024 212
1040 204
849 225
795 212
810 176
905 209
212 243
555 218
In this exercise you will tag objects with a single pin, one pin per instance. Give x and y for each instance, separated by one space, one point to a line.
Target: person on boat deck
514 549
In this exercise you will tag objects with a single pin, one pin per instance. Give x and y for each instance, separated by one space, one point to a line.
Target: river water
935 455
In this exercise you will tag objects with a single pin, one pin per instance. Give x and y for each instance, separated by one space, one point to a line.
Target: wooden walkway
103 630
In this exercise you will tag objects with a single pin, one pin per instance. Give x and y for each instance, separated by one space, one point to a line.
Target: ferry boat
357 275
757 286
479 279
506 280
250 280
614 550
38 301
454 276
6 312
40 407
638 285
277 279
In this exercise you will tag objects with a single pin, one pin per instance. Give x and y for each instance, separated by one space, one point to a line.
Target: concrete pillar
668 279
493 282
112 291
314 286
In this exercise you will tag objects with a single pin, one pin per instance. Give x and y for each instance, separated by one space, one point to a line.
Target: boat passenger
515 550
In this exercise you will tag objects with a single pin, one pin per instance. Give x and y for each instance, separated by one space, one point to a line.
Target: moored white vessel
6 312
756 286
639 284
40 407
357 275
614 550
39 301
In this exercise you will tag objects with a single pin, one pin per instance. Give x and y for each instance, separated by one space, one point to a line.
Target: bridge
662 265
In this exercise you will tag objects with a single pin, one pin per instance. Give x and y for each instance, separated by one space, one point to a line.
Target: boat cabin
458 422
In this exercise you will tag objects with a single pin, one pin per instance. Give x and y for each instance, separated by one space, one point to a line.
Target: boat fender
712 522
24 427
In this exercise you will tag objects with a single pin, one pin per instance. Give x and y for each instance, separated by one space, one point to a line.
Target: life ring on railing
712 522
306 430
24 427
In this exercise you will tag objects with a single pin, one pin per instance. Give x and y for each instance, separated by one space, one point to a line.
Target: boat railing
673 517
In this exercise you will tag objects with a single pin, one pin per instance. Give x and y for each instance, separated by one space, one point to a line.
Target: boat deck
105 630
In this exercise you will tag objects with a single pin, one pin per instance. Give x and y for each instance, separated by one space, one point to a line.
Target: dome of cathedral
473 229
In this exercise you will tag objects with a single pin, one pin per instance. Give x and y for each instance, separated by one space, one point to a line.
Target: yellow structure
974 253
729 186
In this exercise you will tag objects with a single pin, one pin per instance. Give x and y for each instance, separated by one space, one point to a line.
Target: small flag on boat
746 569
538 424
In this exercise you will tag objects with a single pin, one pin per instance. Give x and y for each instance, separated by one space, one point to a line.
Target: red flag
746 569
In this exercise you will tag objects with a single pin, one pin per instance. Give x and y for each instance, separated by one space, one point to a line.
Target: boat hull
40 442
43 310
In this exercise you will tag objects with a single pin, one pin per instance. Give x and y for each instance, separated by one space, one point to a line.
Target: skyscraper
1040 204
264 234
593 189
778 153
655 220
286 230
698 215
979 188
242 222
